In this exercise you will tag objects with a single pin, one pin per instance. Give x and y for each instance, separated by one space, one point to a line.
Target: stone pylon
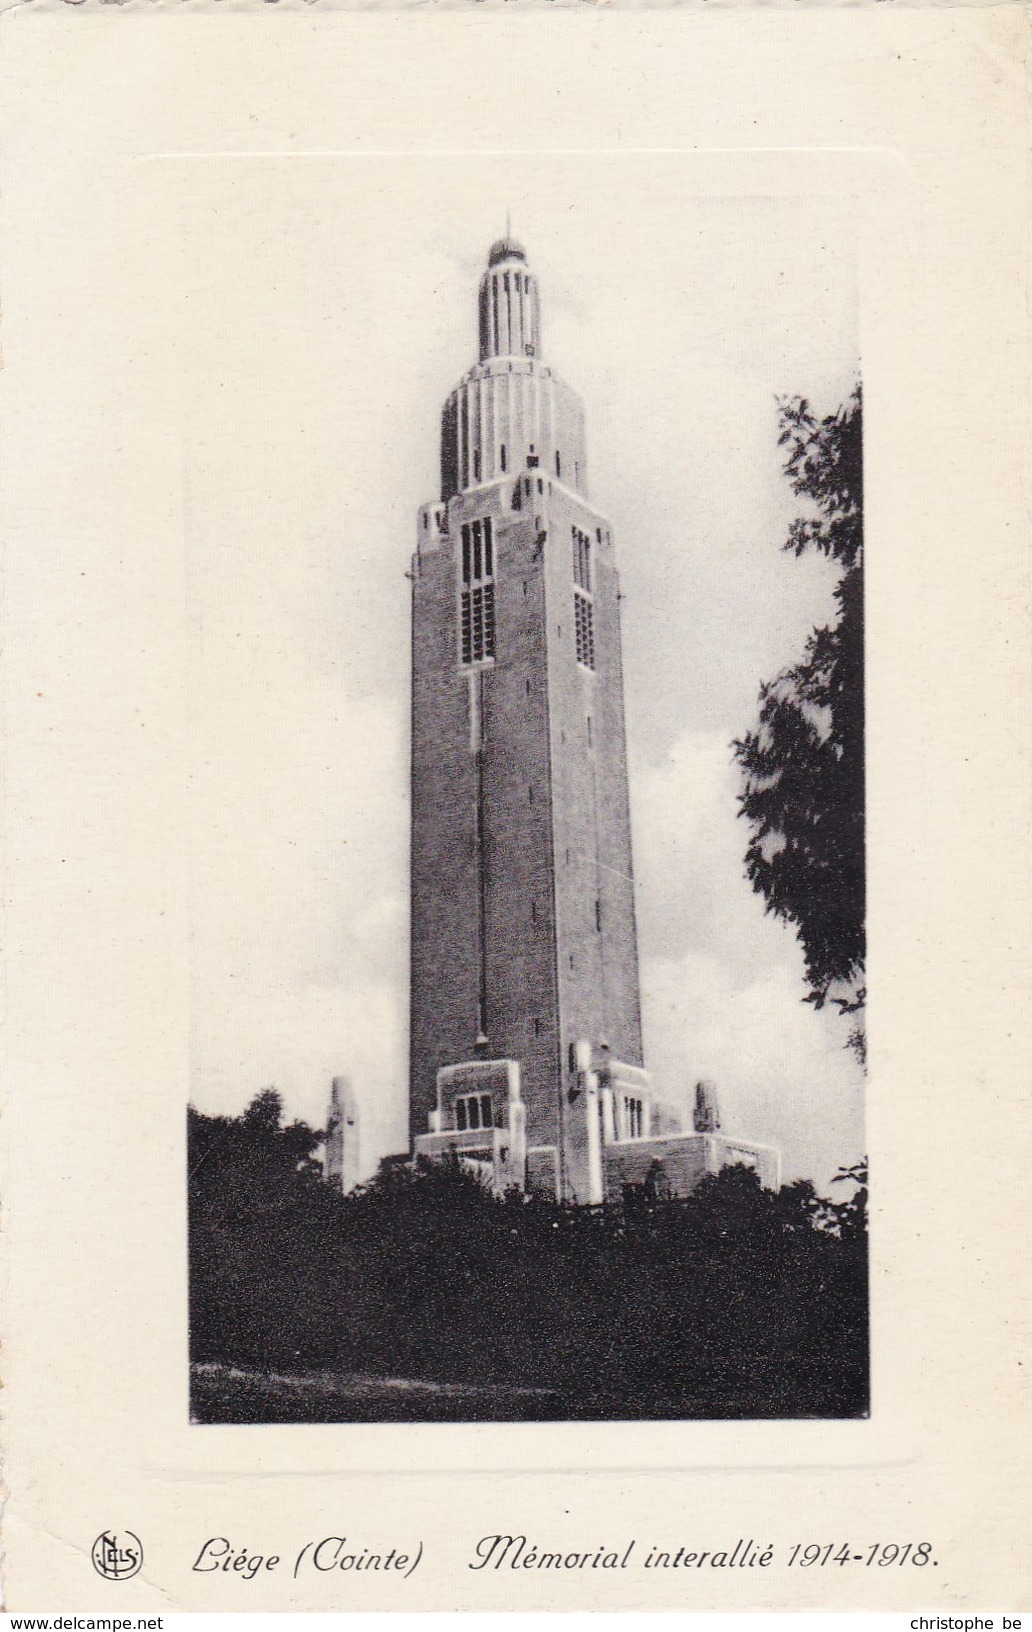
341 1158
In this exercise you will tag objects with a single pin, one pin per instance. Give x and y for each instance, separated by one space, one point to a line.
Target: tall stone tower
524 953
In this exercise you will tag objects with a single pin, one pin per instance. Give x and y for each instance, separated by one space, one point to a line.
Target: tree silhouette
803 765
421 1296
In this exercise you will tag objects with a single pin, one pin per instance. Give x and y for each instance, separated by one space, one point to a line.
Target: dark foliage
803 793
735 1302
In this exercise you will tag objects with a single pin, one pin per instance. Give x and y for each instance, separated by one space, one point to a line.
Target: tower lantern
510 306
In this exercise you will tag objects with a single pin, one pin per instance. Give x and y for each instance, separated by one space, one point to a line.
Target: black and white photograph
528 889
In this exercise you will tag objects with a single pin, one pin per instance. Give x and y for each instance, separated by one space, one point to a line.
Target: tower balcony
479 1118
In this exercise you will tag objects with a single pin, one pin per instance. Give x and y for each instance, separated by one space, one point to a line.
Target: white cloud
299 911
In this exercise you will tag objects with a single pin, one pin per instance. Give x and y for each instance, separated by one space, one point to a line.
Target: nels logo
117 1554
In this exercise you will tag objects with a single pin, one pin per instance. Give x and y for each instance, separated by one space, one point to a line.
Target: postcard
516 808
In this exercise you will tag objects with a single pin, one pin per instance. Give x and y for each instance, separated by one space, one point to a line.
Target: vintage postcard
516 808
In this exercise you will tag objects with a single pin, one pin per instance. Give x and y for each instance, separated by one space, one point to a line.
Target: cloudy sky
326 306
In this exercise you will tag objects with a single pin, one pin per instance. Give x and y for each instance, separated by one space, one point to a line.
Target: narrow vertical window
581 559
583 607
464 439
584 629
502 459
476 599
558 463
476 464
598 915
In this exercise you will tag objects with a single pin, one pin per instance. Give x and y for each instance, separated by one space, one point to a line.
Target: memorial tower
524 949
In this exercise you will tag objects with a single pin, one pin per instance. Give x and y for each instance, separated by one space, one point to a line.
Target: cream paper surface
118 131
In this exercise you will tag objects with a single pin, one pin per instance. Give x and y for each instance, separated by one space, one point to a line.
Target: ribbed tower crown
510 411
510 309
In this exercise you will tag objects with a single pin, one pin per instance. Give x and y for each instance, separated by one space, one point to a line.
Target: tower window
477 601
501 458
634 1115
581 559
476 464
473 1111
558 463
598 915
584 626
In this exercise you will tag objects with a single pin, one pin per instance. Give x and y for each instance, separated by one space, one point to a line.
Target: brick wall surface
681 1164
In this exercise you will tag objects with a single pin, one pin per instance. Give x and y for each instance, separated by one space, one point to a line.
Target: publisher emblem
117 1554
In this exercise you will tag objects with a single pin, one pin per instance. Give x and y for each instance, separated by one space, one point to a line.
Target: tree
256 1193
803 765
